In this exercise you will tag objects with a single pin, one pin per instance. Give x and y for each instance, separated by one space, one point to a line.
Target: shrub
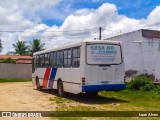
8 60
150 76
141 83
156 92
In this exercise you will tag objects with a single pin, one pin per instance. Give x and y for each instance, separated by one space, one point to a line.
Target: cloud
153 18
80 25
106 16
23 14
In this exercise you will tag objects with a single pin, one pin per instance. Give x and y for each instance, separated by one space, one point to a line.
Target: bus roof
76 45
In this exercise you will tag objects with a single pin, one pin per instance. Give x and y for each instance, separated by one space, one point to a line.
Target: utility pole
100 31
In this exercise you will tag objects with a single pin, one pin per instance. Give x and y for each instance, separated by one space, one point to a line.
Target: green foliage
156 92
36 45
9 60
20 47
59 100
141 83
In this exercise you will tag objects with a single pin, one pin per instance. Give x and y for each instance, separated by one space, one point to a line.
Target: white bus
88 67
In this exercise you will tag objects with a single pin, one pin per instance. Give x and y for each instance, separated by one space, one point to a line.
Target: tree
21 48
36 45
0 46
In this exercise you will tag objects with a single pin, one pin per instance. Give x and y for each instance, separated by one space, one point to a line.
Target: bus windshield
101 54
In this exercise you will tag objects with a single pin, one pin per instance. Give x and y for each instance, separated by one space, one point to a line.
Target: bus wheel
92 94
61 92
38 85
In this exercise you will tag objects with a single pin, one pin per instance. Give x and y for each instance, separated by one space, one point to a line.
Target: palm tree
0 46
36 45
20 47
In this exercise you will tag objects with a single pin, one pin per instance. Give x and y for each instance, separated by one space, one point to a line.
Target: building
18 58
141 51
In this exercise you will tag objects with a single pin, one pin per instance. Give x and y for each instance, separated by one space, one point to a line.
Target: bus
83 67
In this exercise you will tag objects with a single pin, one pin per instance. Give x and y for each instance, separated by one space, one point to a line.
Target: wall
140 53
20 71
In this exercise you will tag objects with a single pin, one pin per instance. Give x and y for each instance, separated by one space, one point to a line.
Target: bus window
33 63
59 59
41 58
46 62
54 59
51 59
40 61
67 58
43 61
76 57
101 54
37 61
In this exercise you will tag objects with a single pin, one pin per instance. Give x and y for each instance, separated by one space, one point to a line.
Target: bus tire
61 92
92 94
39 88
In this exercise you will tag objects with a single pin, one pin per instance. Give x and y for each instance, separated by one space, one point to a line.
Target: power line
47 31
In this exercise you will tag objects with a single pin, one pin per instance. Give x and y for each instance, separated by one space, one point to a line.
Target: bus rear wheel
61 91
92 94
39 88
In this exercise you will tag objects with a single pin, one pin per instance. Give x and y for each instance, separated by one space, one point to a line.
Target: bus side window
69 58
41 61
46 60
51 59
57 59
61 59
76 57
54 59
37 61
65 58
33 63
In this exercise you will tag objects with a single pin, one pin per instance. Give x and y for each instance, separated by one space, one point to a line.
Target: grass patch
59 100
140 95
125 100
76 108
137 100
3 80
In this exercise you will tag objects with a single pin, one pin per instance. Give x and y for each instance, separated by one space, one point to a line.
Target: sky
60 22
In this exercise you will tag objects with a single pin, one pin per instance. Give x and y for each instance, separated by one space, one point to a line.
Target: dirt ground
23 96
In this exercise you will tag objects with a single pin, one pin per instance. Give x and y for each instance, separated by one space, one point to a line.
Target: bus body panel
70 80
98 80
103 77
39 72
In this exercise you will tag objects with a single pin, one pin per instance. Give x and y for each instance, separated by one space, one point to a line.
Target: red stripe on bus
46 77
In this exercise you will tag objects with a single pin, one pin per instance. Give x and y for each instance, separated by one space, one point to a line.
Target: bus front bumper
96 88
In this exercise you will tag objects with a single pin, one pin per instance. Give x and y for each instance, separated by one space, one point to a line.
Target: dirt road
23 96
